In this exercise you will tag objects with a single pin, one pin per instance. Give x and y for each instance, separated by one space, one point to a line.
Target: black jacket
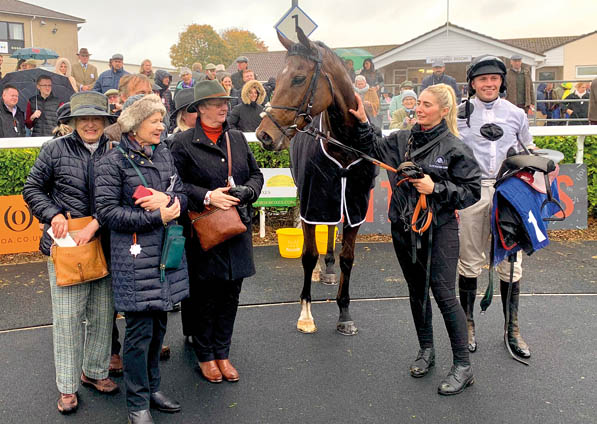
580 109
449 163
203 166
43 125
237 80
11 126
245 117
61 181
136 280
166 96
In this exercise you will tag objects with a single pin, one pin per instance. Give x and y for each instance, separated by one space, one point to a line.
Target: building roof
16 7
540 44
264 64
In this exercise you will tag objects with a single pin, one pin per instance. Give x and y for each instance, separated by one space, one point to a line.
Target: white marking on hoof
306 323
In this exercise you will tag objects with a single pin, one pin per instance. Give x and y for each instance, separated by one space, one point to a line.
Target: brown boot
228 371
115 365
210 371
67 403
105 385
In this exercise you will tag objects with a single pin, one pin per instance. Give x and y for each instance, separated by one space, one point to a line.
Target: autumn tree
242 41
199 43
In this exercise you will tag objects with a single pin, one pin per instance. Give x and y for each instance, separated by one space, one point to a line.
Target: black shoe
515 340
458 379
425 360
161 402
468 291
140 417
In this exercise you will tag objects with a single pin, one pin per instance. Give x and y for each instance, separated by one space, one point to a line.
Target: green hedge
16 163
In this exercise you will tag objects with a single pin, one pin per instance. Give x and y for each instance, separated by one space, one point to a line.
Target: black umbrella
25 82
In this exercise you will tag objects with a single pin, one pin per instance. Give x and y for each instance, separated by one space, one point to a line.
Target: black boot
467 288
458 379
161 402
140 417
515 340
425 360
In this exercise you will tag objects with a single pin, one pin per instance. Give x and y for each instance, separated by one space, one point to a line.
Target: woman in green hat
61 183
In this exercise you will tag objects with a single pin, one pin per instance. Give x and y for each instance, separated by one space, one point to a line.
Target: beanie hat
137 109
409 93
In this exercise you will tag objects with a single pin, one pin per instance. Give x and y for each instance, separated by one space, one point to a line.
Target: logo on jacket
440 162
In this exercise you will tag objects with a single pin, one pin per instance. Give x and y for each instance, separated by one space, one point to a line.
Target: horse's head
303 90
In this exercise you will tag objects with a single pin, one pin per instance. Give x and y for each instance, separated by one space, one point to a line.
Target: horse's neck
334 120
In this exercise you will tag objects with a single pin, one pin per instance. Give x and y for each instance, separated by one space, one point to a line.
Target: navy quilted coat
136 280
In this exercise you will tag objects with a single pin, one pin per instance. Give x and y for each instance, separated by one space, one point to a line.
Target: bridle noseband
304 110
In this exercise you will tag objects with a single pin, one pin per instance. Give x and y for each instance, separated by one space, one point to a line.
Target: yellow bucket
321 238
290 242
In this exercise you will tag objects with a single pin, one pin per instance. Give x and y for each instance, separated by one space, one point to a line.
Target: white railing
580 131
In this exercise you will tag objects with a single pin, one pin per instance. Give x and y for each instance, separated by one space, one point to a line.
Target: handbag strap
143 180
229 157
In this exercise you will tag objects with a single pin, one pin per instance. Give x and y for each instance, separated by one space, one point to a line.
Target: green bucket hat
89 103
207 89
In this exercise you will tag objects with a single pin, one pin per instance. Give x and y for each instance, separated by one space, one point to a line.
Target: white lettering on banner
532 220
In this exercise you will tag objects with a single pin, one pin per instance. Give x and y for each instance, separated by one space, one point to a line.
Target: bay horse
334 184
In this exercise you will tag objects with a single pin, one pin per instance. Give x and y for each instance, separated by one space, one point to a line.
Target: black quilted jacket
136 280
61 181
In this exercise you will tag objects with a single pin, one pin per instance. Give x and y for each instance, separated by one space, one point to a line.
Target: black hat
182 99
63 112
483 65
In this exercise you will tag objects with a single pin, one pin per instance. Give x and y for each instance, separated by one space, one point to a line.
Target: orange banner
19 229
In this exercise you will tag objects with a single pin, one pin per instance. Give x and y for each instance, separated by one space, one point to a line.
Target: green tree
242 41
199 43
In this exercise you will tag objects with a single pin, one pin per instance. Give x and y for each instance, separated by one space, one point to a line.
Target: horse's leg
306 323
329 276
345 324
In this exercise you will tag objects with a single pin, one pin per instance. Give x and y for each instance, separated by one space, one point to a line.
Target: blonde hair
62 130
180 125
143 63
445 96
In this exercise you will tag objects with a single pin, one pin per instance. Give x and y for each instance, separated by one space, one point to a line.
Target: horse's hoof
347 328
306 326
328 279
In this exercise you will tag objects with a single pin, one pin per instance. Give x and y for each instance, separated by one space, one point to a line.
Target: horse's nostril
264 137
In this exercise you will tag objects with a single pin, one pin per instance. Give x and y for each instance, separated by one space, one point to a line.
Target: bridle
304 110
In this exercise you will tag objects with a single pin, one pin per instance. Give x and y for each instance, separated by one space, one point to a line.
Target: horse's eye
298 80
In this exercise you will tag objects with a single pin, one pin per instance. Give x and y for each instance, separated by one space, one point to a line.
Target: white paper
62 242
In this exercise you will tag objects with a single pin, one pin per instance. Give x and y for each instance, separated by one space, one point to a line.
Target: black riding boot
515 340
467 288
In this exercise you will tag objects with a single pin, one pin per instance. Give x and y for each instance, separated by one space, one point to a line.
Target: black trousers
115 337
209 314
442 282
142 345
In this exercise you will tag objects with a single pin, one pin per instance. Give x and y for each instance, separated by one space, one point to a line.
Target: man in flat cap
519 87
439 77
110 78
210 71
242 63
84 73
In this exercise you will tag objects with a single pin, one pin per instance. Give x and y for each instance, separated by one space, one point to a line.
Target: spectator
248 75
547 110
187 80
113 99
19 66
226 80
386 99
519 87
110 78
396 102
405 117
367 93
373 77
184 119
216 276
145 69
12 119
593 103
163 80
220 69
29 64
246 116
197 72
269 86
62 126
41 115
579 109
143 290
439 77
242 63
84 72
60 181
349 65
210 72
63 67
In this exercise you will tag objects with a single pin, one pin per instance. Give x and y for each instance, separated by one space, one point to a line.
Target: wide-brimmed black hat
89 103
207 89
183 98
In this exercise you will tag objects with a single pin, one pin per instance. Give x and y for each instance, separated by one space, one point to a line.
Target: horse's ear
285 41
304 40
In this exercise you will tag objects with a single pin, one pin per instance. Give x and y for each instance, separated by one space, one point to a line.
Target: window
15 32
547 76
586 71
12 37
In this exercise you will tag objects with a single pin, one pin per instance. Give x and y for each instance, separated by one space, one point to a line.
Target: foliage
242 41
199 43
567 145
14 168
267 159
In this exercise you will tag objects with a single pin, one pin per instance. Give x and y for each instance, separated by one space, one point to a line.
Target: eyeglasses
217 104
46 85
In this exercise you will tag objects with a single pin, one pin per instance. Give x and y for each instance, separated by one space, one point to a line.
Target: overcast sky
147 28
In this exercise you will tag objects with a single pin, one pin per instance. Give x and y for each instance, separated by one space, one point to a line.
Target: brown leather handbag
79 264
214 225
